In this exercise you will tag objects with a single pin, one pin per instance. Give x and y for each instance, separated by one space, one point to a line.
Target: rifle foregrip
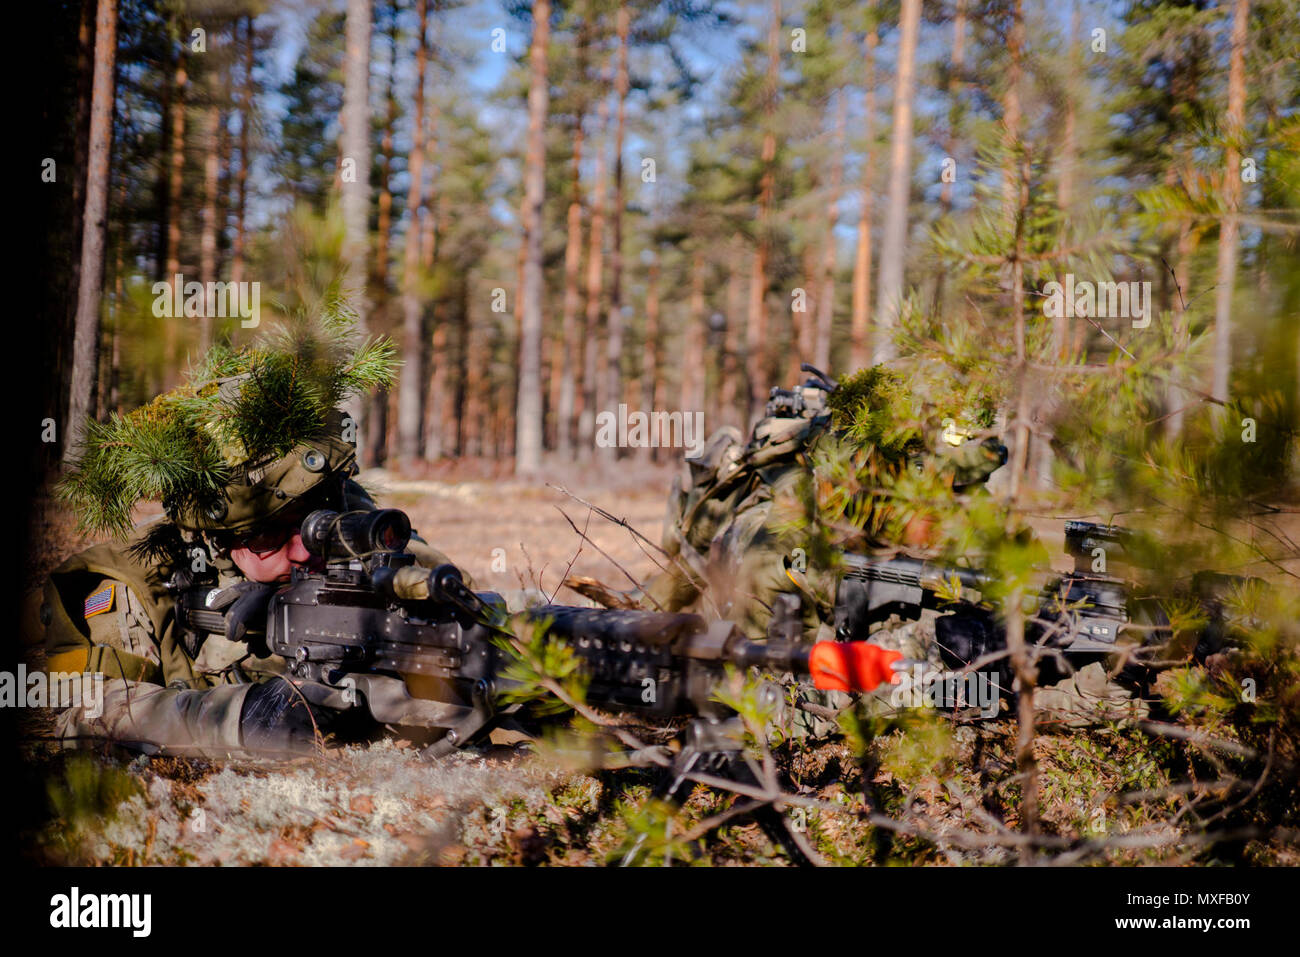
851 665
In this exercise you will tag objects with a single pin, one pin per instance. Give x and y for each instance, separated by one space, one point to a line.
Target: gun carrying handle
851 665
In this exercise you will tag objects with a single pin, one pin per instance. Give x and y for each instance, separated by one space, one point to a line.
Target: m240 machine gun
417 648
1083 615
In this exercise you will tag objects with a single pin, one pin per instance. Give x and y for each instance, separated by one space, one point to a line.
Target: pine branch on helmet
252 431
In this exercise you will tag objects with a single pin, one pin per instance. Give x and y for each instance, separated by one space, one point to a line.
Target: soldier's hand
276 719
246 619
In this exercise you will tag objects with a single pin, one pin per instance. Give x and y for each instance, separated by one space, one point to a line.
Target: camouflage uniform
734 526
108 610
726 528
723 529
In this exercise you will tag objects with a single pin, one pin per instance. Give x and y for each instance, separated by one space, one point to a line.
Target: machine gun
418 649
1081 616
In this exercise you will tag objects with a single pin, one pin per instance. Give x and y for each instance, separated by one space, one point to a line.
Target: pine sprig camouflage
186 445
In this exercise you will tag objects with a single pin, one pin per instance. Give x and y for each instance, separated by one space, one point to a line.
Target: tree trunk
477 360
435 430
86 331
804 322
383 233
175 181
614 345
208 231
80 149
1011 115
1176 397
693 343
245 122
861 320
354 145
455 417
1228 226
379 418
757 365
437 412
1069 159
225 151
429 221
114 401
894 241
1017 190
572 296
650 387
592 385
528 415
412 377
1043 454
826 293
733 367
956 82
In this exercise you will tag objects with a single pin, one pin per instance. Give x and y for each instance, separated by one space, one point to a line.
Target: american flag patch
101 601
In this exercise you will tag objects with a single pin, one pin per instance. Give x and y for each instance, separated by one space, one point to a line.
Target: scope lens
389 530
331 534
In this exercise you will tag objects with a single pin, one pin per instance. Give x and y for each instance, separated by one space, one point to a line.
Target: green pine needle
184 446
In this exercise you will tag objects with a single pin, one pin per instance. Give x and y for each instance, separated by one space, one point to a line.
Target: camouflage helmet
252 432
258 491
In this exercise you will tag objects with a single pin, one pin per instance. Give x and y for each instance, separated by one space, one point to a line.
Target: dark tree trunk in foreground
85 346
355 184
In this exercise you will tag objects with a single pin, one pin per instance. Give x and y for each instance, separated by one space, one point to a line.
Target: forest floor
381 805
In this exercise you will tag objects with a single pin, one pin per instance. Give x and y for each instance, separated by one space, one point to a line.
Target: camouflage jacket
106 611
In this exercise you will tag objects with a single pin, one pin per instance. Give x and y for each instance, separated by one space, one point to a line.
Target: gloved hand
246 615
276 719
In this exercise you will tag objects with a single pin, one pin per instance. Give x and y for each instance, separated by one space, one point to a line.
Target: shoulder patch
100 601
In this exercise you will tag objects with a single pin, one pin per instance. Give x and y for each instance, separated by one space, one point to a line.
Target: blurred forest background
564 206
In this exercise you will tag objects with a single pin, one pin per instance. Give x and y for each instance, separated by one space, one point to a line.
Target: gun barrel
1081 538
911 572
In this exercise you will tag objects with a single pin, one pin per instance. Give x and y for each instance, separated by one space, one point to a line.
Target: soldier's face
271 556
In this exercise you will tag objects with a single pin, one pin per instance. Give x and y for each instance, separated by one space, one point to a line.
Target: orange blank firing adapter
851 665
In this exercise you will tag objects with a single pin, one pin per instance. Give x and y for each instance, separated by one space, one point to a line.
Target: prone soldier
236 487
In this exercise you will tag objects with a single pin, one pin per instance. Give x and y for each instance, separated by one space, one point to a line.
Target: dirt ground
511 534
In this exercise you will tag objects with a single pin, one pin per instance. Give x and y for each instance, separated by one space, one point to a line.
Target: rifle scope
332 534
